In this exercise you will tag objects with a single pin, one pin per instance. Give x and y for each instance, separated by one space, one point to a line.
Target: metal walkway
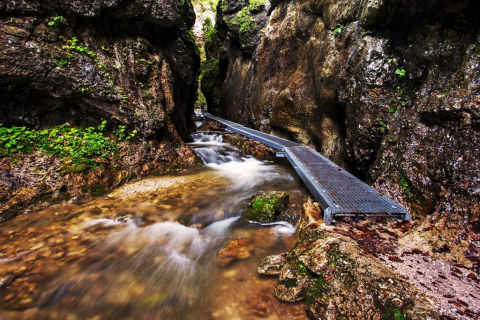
338 192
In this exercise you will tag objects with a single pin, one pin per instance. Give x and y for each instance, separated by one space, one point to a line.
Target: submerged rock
265 207
237 249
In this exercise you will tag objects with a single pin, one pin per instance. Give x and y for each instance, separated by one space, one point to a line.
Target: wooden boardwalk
339 193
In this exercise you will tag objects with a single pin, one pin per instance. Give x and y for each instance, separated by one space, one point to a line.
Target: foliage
82 147
60 62
206 4
74 45
401 73
56 22
338 30
400 100
477 50
244 21
383 126
399 315
201 100
407 190
209 31
211 68
254 5
122 134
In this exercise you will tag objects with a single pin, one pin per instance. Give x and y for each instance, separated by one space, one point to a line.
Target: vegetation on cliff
81 148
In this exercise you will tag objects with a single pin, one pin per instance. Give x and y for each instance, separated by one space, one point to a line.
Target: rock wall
133 63
130 62
390 89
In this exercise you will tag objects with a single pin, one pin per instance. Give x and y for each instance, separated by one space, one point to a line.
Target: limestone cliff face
130 62
388 88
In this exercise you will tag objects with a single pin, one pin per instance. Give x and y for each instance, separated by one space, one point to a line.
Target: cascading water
150 250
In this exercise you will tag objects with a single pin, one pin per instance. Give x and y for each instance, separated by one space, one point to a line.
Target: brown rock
237 249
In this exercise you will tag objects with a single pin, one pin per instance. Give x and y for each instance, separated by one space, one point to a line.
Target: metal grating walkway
340 193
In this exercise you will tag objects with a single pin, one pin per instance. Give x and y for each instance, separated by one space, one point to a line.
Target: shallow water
149 250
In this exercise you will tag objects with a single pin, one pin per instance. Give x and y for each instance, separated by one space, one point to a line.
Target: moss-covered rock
337 280
265 207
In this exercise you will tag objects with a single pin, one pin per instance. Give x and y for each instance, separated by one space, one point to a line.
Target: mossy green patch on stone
264 207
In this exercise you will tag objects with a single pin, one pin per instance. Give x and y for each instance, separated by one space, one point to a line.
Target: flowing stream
150 250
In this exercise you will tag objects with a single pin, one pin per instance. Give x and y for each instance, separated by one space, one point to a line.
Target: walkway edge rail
339 193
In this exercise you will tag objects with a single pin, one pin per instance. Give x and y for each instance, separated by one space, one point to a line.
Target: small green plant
85 90
338 30
400 100
477 50
399 315
74 45
57 22
121 133
132 135
404 184
410 45
102 125
142 60
383 126
401 73
60 62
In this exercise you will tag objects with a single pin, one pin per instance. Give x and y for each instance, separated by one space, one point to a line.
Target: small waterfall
245 172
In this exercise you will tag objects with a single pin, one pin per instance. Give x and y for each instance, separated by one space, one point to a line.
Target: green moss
389 310
97 190
193 40
290 283
244 22
399 315
316 290
255 5
209 75
265 207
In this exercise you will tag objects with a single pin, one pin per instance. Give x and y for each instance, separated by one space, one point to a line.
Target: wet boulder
266 207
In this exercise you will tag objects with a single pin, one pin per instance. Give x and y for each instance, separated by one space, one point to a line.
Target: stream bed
150 249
